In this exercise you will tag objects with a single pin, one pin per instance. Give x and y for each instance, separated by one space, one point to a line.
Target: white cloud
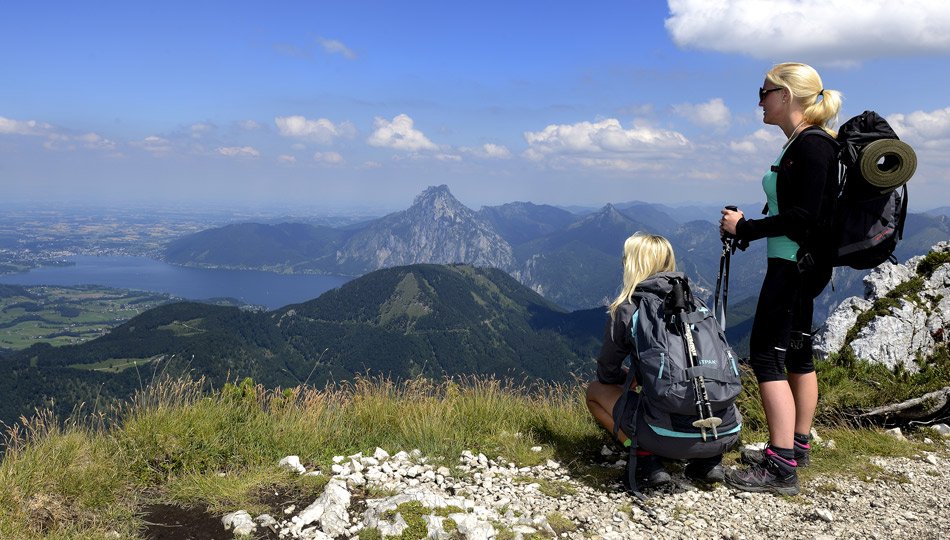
822 31
95 141
56 139
238 151
921 125
618 164
713 113
321 130
8 126
89 141
286 159
488 151
333 158
199 130
399 134
333 46
249 125
601 137
153 144
762 140
371 165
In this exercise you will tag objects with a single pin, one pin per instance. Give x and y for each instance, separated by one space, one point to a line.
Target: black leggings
781 331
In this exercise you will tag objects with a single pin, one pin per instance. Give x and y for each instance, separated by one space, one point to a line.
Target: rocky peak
437 228
903 317
606 216
438 202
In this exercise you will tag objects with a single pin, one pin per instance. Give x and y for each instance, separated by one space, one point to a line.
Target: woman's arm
801 185
615 349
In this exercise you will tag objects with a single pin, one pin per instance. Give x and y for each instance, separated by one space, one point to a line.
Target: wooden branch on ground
926 405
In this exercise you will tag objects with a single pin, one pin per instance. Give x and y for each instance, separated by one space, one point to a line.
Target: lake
140 273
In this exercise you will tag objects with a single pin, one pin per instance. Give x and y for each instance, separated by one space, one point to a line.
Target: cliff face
436 229
903 317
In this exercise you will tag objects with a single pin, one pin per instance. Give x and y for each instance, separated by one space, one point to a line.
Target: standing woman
801 188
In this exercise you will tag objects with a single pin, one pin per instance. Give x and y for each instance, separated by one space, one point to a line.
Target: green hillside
400 322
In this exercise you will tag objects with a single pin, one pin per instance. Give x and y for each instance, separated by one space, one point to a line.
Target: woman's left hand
727 225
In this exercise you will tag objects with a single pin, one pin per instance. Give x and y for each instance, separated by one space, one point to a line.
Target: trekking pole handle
731 208
733 242
678 302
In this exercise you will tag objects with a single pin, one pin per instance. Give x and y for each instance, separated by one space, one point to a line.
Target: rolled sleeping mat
887 164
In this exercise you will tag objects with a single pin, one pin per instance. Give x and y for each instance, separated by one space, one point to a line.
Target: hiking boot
768 476
705 470
651 473
751 456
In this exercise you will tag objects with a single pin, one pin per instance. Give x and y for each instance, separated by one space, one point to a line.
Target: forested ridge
432 320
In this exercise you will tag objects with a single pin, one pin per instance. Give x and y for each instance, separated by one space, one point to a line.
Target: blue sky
342 104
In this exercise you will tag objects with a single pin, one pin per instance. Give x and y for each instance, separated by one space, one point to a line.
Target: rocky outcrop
903 317
436 229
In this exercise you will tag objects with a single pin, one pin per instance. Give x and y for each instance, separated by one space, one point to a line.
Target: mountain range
432 320
570 259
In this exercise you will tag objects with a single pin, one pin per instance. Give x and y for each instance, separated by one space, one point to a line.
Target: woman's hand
727 225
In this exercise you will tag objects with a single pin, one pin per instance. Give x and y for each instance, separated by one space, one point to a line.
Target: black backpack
871 207
684 379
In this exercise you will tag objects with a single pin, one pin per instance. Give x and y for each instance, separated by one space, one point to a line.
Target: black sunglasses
763 92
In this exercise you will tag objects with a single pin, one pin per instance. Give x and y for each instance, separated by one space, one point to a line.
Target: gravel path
494 499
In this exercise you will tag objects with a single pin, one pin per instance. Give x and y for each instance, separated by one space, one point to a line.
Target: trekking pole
729 245
707 419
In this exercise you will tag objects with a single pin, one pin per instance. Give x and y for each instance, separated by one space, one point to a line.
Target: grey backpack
688 374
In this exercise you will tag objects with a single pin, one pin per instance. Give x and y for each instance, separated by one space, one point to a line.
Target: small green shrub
931 262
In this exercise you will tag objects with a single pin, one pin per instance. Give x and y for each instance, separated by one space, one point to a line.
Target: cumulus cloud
600 137
488 151
761 140
922 126
249 125
55 138
496 151
713 113
333 158
154 145
9 126
333 46
286 159
238 151
604 145
321 130
823 31
399 134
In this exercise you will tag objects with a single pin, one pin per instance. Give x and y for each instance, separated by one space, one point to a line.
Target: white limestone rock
894 339
240 522
838 323
884 278
330 510
292 463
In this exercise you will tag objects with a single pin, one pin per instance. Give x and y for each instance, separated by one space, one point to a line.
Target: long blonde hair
643 255
805 86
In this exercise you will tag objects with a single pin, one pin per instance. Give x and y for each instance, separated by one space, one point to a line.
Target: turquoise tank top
779 247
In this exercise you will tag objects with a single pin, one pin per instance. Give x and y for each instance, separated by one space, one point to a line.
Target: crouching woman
614 402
